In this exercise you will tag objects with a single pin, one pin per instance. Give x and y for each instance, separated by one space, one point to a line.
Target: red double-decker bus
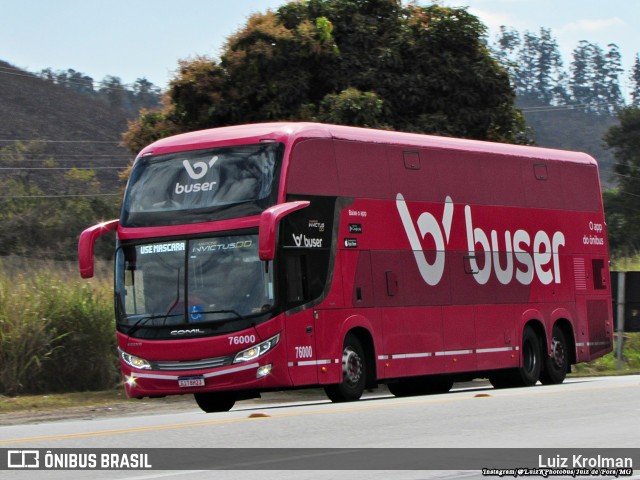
273 256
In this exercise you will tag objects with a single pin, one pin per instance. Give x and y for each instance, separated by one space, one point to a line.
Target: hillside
78 130
568 129
82 130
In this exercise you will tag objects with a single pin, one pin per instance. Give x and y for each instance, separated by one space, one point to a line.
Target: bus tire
529 373
556 364
354 373
211 402
440 384
402 388
427 385
503 379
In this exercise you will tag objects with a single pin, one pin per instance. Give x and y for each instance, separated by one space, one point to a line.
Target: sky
131 39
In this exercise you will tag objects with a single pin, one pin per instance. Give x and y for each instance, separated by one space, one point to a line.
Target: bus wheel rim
557 353
351 366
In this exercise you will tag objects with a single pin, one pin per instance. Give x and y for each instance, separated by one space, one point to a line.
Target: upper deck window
202 185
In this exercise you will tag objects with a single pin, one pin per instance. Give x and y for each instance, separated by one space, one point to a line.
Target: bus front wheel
211 402
354 375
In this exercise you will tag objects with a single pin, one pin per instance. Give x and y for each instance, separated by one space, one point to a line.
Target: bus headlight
135 362
257 350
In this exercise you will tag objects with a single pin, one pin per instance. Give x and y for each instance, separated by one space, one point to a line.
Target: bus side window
599 277
295 279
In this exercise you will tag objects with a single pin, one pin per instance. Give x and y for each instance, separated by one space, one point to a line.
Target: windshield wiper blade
144 319
233 312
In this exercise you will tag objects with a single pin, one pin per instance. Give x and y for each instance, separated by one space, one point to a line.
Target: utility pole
621 301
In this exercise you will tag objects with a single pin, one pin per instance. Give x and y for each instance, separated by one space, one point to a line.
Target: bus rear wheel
556 365
354 376
529 373
211 402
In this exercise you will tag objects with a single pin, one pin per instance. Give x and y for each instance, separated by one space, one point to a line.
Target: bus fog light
263 371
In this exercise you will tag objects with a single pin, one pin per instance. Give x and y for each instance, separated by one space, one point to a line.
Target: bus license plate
191 382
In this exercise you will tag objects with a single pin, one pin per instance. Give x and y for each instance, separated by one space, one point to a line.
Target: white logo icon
201 167
528 256
427 223
23 459
302 241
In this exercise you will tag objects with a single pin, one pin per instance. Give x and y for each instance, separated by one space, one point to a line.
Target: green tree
535 66
624 205
42 210
582 74
145 94
549 71
595 80
540 75
71 79
634 76
351 107
114 92
613 69
361 62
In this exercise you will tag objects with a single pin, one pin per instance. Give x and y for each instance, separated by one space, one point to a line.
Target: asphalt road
593 413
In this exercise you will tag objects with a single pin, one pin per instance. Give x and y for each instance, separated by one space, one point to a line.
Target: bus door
300 331
305 262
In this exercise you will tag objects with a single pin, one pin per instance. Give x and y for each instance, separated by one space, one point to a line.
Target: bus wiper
144 319
233 312
177 300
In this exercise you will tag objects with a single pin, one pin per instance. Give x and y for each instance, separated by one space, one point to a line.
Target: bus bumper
268 371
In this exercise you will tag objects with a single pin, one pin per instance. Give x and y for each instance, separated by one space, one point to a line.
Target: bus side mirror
87 242
269 220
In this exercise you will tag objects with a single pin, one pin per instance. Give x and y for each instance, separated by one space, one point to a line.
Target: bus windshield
202 185
192 282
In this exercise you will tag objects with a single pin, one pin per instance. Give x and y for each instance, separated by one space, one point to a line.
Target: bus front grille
192 364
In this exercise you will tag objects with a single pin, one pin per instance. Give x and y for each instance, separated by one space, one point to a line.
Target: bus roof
292 132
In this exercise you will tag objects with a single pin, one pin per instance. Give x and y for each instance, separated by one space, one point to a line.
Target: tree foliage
111 89
535 65
41 217
634 76
623 204
359 62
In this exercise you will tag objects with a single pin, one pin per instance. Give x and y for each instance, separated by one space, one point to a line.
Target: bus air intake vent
580 273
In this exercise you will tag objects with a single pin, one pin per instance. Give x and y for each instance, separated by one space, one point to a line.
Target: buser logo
428 225
302 241
201 167
196 172
521 255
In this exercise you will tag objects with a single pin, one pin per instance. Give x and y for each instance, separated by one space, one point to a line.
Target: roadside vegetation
608 365
56 330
